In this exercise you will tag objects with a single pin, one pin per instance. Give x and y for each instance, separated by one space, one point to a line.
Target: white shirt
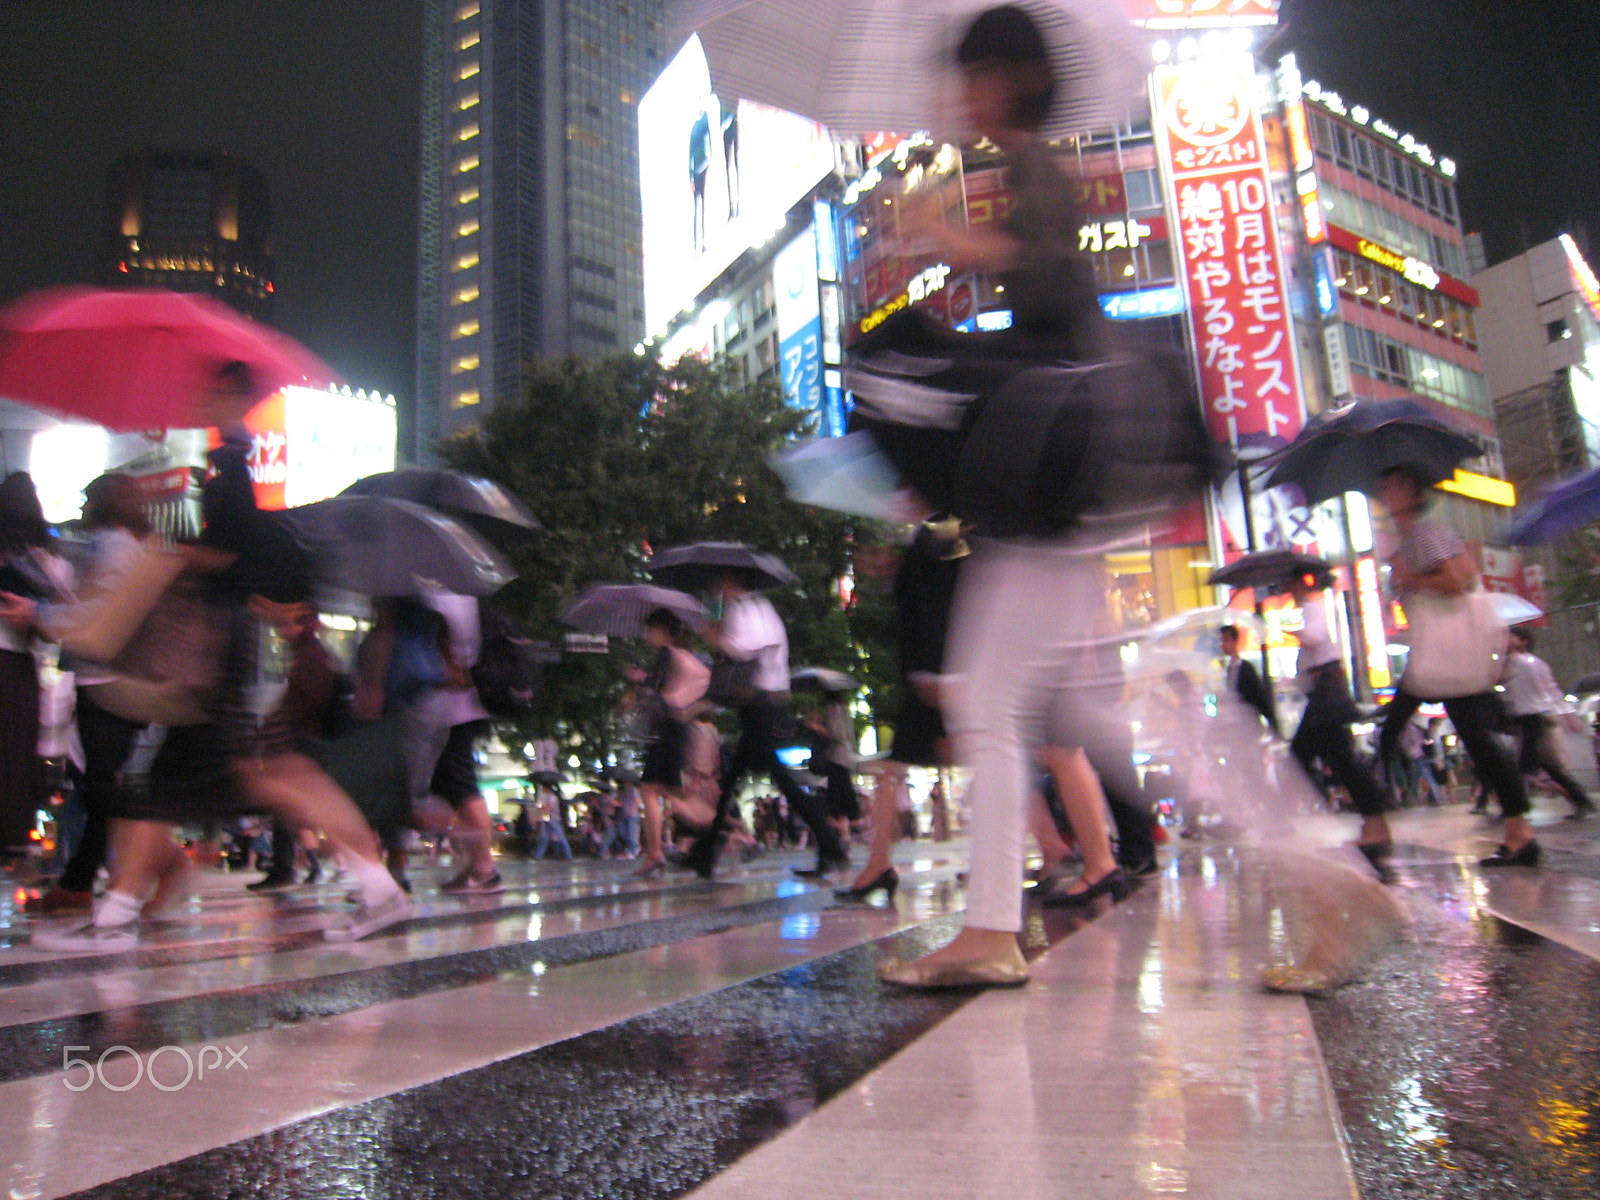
751 628
460 613
1317 648
1530 686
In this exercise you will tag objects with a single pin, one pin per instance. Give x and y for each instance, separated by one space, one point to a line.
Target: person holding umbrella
1432 560
751 631
676 685
1324 730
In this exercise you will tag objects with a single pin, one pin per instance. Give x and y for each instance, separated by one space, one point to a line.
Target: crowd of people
1009 656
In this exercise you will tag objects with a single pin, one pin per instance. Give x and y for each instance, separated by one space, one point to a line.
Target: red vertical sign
1215 156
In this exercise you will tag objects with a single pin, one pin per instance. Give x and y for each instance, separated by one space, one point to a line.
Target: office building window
470 100
468 40
468 11
465 261
466 362
467 195
465 399
467 132
465 295
467 70
468 227
470 163
465 329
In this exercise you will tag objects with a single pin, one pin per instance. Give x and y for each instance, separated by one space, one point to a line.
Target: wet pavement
590 1034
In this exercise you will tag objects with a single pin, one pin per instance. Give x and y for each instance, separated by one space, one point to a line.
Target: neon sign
1414 269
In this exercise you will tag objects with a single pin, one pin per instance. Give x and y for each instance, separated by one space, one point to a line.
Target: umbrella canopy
859 66
142 358
847 474
1268 569
376 546
1560 508
1513 609
822 679
1587 686
1202 620
485 505
619 609
698 565
1349 449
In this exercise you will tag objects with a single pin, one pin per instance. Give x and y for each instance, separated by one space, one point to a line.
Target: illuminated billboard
715 179
794 280
308 445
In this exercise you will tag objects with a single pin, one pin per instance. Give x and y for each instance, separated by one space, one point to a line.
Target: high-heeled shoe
887 879
925 974
650 866
1113 883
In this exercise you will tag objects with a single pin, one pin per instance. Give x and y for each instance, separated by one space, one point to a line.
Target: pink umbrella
142 358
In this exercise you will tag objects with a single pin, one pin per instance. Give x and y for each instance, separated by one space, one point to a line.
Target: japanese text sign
1215 158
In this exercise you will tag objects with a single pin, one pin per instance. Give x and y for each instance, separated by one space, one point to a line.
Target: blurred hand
18 611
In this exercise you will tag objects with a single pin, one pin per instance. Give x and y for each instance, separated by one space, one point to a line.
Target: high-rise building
192 222
529 231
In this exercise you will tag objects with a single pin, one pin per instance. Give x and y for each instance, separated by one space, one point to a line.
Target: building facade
529 194
1540 331
191 222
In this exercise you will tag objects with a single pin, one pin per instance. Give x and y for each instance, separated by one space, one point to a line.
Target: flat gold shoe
1010 971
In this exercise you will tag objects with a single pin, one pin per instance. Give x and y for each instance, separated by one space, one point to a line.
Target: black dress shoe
1503 856
1142 867
270 883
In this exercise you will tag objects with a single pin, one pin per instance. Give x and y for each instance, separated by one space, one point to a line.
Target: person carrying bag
1457 649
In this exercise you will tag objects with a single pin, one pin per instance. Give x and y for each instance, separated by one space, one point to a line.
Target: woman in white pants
1027 619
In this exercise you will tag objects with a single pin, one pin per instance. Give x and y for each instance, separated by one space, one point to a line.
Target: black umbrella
546 778
821 679
619 609
485 505
697 566
375 546
1587 686
1349 449
1268 569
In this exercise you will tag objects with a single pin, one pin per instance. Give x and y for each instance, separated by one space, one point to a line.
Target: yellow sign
1413 269
1482 487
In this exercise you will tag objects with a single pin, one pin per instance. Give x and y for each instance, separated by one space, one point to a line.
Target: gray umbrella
698 565
619 609
482 503
375 546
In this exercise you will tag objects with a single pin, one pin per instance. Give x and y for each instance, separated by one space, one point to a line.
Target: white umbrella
620 609
860 66
847 474
1513 609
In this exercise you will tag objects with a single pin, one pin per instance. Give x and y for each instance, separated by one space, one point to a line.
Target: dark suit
1246 681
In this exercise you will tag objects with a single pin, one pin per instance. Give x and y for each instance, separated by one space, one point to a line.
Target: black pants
757 753
107 741
1474 718
1131 810
1536 754
1324 733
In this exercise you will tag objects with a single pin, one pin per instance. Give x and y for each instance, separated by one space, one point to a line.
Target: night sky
322 96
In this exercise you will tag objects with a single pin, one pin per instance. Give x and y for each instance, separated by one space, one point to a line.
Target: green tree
620 457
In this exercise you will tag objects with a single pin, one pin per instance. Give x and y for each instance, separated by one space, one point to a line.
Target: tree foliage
620 457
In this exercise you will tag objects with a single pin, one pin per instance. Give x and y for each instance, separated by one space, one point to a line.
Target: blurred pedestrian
671 695
1531 700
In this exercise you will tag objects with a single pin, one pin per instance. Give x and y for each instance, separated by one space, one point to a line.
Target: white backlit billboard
715 179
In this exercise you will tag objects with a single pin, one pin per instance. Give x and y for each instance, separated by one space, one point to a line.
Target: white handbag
1458 645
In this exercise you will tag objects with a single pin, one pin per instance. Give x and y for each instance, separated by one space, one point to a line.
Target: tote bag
1457 645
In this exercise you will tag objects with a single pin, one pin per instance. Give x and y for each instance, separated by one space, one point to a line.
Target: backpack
1025 446
508 671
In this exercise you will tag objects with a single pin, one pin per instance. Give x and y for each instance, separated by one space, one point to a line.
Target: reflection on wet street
591 1034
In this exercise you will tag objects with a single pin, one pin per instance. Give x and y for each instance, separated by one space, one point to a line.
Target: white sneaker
370 918
88 939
